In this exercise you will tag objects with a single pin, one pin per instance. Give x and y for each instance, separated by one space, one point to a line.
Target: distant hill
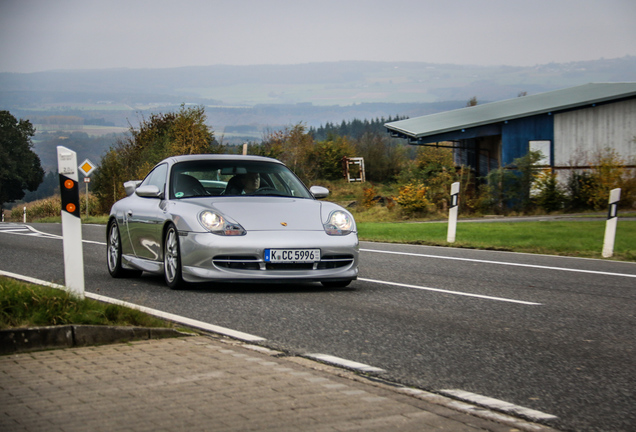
250 99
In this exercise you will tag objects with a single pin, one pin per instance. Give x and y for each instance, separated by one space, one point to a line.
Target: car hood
270 213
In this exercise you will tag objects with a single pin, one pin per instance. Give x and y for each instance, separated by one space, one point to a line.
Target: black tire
335 284
172 259
113 254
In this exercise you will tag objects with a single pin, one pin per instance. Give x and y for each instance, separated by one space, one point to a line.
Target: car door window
157 177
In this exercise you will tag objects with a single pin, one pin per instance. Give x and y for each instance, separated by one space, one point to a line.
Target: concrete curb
42 338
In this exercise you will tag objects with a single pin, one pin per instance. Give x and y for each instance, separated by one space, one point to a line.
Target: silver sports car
223 218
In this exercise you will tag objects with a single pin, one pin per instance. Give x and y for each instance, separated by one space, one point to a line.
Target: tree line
354 129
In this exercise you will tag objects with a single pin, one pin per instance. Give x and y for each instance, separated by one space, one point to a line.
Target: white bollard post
452 213
612 221
71 222
24 215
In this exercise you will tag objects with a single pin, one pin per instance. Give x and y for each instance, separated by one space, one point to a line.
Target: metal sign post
452 213
86 168
71 222
612 221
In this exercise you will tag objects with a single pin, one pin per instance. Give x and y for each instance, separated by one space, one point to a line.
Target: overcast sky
38 35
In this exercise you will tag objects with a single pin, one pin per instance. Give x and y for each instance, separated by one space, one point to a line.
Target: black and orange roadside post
71 222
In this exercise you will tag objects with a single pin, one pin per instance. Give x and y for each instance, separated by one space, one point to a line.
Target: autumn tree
20 168
294 146
328 157
158 137
384 157
608 172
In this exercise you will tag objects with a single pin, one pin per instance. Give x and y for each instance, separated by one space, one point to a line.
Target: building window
545 147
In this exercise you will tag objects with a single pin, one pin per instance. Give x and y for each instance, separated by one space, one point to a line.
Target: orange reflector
70 207
68 184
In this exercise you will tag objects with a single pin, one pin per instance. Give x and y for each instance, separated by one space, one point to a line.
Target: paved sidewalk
205 384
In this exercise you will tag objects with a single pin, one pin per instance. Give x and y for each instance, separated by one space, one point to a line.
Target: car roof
198 157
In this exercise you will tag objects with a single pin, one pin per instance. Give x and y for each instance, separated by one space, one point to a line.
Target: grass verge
27 305
572 238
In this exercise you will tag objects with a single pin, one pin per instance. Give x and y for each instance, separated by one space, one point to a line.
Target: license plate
292 255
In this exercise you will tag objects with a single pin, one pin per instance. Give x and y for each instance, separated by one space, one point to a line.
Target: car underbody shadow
264 288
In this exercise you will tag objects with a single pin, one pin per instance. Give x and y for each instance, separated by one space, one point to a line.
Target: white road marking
30 231
25 230
515 422
499 405
13 230
502 263
343 362
460 293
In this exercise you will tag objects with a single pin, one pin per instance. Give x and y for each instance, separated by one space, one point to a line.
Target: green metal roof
495 112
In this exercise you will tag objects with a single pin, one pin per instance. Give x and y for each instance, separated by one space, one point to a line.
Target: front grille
289 266
237 262
334 261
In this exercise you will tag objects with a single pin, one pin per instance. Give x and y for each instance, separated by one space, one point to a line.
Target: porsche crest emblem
283 223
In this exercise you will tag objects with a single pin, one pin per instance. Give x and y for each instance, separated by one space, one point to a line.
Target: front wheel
172 259
113 254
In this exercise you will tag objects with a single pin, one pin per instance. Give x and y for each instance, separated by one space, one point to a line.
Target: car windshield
234 178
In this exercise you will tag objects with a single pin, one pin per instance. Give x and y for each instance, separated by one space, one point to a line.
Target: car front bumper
209 257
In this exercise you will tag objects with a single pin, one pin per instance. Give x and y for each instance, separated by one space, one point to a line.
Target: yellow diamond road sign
87 167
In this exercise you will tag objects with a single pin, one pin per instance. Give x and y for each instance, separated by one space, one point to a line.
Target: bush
413 201
607 174
368 200
550 197
52 207
577 187
509 188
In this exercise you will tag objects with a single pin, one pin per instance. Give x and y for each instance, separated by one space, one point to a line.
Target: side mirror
319 192
130 186
149 191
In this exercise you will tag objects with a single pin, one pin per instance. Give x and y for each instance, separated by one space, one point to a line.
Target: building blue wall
515 135
515 138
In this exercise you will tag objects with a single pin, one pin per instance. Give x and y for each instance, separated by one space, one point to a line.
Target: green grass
581 238
26 305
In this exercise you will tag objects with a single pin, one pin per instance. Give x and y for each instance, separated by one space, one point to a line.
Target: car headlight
217 224
339 223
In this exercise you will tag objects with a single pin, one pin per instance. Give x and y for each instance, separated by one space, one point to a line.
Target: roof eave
406 133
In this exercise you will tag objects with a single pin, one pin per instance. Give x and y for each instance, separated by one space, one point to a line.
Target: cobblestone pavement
206 384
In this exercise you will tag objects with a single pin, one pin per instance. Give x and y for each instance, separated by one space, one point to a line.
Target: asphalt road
553 334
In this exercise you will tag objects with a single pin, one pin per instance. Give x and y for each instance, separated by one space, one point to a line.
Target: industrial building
568 126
